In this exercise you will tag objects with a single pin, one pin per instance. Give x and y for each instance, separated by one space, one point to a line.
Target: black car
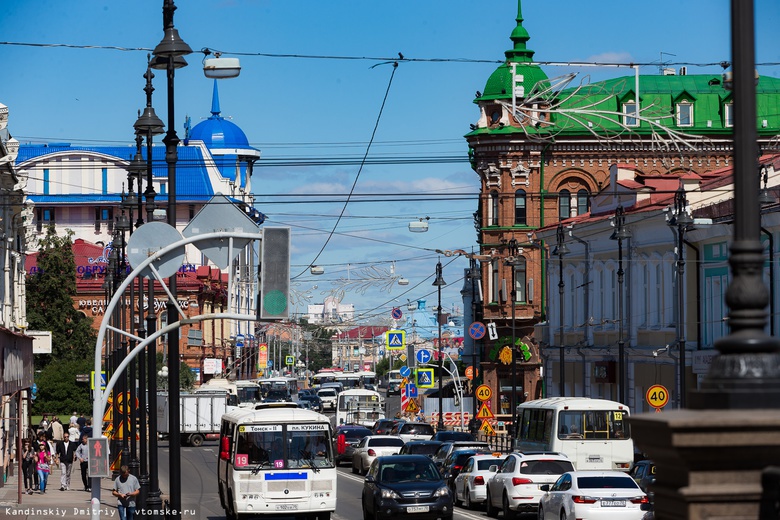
383 426
314 400
454 463
427 448
405 484
448 436
345 440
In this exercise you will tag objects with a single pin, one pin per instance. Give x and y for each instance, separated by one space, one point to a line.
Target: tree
58 391
50 292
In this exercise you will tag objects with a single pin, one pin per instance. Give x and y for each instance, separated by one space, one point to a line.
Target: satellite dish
149 239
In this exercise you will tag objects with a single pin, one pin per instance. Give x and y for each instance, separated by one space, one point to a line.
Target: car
393 389
372 447
428 448
413 431
328 397
643 473
313 400
306 391
448 447
592 495
470 486
405 484
384 426
514 486
346 438
306 405
369 386
451 467
337 386
448 436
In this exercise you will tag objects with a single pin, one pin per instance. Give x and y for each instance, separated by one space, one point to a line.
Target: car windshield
545 467
422 449
417 429
385 441
606 483
461 458
356 433
394 472
484 465
454 436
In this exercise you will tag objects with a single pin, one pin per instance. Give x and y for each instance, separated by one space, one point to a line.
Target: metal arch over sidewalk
101 396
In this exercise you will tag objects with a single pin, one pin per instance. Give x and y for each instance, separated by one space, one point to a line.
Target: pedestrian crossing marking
485 412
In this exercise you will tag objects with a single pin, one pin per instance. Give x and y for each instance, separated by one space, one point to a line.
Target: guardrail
502 443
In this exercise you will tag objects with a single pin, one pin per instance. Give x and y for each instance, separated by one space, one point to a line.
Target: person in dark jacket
66 453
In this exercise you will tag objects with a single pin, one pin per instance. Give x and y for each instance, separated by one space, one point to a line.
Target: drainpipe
698 292
542 190
771 279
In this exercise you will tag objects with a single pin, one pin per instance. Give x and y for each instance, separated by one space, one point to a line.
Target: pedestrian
81 421
66 453
82 455
56 429
87 429
29 458
44 424
75 433
43 466
126 488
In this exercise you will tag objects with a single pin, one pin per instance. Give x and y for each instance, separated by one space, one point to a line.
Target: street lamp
681 220
439 283
560 249
620 234
512 262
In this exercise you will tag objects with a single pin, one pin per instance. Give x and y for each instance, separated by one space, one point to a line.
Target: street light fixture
681 220
439 283
620 234
560 249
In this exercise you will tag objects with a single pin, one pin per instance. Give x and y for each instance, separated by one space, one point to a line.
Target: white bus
593 433
276 386
276 459
359 406
394 380
239 393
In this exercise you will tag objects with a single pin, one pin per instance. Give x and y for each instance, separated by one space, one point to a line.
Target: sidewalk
69 505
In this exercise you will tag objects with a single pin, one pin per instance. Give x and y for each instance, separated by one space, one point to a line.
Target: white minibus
276 459
593 433
359 406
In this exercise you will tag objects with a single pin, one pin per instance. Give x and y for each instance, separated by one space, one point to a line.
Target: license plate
613 503
287 507
417 509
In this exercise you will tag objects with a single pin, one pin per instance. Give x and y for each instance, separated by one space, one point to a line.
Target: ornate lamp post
681 220
620 234
560 250
439 283
512 262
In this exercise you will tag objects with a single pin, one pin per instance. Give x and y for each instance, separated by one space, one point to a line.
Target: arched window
564 204
493 217
583 202
520 207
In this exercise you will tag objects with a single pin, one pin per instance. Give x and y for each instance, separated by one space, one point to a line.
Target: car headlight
442 492
389 493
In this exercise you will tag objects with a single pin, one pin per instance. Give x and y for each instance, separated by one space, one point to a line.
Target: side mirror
369 479
493 468
545 487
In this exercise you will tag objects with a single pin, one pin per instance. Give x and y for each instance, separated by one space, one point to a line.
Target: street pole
560 250
439 283
620 234
512 262
681 220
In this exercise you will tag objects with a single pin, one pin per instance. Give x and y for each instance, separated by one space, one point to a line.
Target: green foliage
50 294
58 391
186 375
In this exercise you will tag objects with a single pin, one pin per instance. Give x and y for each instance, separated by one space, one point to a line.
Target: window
630 108
104 216
728 115
494 280
583 202
520 207
493 217
519 274
685 114
564 205
44 217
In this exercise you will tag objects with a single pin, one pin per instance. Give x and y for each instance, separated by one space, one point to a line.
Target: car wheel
366 516
491 511
455 498
563 514
467 499
508 513
354 469
540 514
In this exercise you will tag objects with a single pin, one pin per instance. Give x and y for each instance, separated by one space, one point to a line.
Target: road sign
82 378
396 339
240 340
484 392
289 360
411 390
657 396
425 377
270 363
381 353
477 330
99 465
403 357
491 327
102 379
405 371
423 356
396 314
471 372
485 412
412 406
487 428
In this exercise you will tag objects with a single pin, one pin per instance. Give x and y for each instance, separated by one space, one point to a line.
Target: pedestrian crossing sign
412 406
396 339
485 412
425 378
487 428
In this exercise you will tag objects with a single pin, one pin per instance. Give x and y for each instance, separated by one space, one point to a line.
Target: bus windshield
248 394
593 424
291 446
352 402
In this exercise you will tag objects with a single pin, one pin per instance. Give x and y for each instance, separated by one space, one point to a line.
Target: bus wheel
196 440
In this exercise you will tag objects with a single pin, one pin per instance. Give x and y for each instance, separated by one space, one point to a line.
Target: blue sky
293 106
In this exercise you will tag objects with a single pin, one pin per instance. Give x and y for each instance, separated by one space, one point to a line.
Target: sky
319 96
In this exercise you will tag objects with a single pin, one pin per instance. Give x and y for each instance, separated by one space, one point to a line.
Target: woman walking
45 460
29 458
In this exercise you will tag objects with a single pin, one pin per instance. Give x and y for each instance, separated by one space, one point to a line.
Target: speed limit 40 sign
657 396
484 393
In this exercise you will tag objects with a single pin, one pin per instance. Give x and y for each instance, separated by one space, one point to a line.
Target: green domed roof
499 84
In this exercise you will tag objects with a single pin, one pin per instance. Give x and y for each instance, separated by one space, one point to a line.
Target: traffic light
274 294
99 465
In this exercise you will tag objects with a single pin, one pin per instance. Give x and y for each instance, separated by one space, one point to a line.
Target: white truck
200 415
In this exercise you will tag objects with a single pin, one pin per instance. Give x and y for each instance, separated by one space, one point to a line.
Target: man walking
82 455
126 489
66 452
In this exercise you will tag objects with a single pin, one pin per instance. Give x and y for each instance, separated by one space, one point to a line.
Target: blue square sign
411 391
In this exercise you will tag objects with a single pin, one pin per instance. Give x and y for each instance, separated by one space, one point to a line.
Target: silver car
372 447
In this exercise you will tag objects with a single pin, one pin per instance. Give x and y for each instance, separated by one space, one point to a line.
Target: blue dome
218 132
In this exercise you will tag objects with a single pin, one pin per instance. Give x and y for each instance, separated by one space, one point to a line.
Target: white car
372 447
592 495
515 486
471 482
413 431
328 397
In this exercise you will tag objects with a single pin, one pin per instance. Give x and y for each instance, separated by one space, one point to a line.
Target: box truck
199 413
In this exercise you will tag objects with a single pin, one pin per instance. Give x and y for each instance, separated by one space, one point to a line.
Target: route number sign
484 393
657 396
